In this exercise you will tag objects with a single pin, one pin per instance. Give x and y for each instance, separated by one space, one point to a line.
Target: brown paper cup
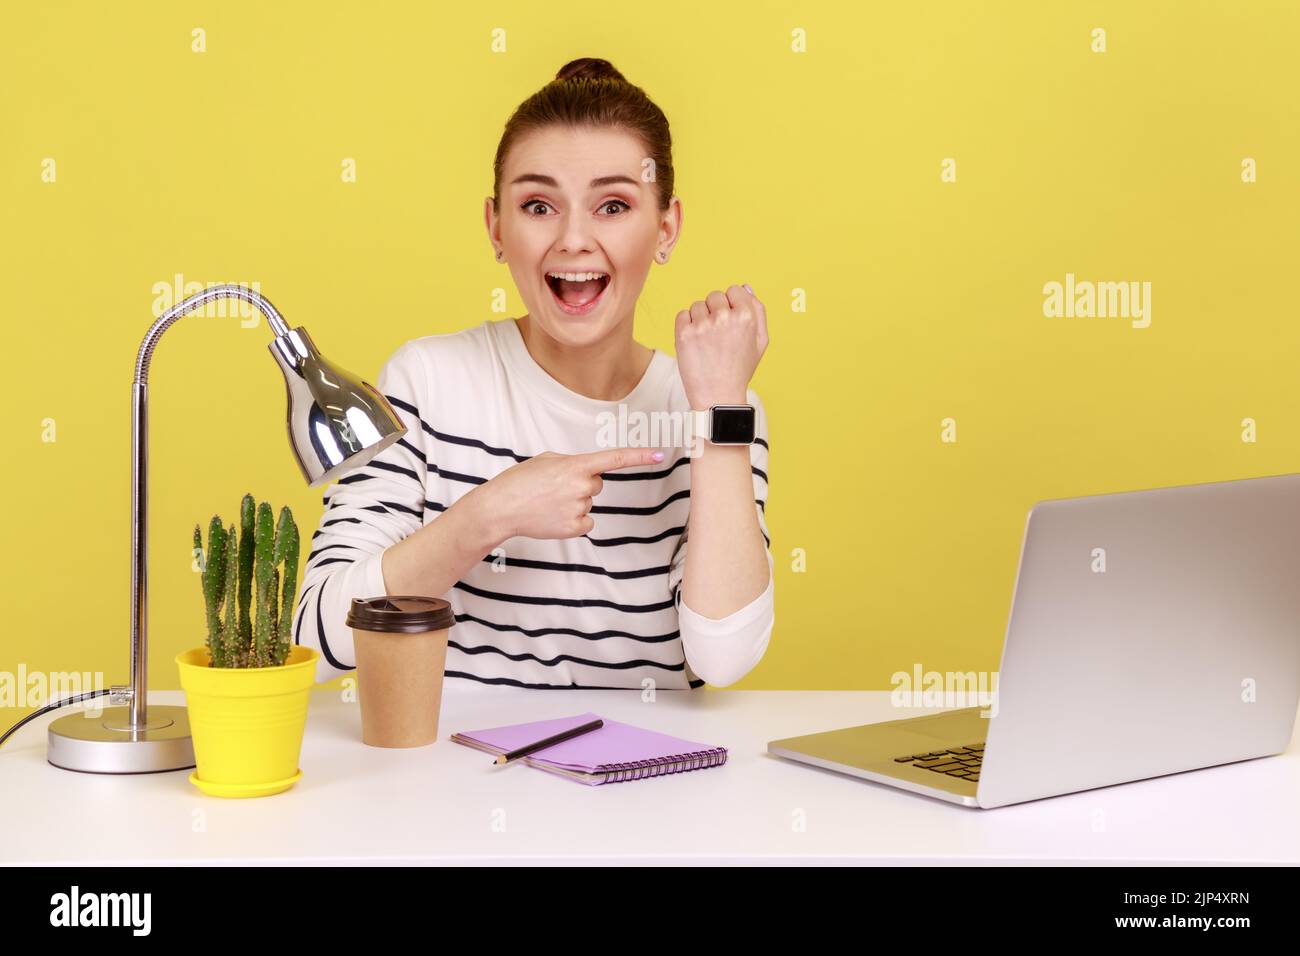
401 648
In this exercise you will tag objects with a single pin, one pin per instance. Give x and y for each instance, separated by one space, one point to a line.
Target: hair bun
589 68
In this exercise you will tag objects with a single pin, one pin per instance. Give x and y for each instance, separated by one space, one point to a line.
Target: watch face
733 425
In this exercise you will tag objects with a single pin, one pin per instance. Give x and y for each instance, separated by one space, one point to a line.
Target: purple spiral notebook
614 753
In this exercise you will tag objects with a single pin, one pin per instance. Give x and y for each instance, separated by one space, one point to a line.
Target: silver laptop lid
1150 632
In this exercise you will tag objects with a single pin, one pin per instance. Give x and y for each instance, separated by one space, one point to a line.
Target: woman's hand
719 342
549 495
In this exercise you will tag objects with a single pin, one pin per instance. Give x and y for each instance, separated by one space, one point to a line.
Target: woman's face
573 200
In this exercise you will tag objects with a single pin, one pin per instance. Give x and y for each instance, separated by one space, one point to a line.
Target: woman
566 560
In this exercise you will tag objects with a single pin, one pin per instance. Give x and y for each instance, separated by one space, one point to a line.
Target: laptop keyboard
961 762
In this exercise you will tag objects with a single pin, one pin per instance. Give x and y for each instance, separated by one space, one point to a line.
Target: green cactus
286 552
213 578
241 575
246 509
230 630
263 597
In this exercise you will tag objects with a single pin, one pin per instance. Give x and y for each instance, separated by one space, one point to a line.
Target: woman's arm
434 558
724 643
725 600
373 539
726 564
367 511
546 496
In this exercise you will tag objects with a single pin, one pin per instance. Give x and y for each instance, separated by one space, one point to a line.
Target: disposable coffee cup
401 648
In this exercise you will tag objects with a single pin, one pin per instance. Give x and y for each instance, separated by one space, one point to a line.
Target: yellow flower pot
247 723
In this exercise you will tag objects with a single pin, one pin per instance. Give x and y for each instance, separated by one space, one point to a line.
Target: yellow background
817 171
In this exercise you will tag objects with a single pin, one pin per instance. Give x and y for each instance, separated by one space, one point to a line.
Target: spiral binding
659 766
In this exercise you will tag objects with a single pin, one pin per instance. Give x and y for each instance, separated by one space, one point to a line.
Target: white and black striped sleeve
367 511
723 650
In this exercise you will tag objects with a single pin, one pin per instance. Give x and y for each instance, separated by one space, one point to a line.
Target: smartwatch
726 424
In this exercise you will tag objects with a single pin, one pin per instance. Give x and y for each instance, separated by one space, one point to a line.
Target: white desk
448 803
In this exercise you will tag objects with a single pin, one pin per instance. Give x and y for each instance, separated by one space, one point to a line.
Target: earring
500 253
663 257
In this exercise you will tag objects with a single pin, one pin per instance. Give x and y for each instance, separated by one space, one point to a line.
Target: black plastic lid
400 614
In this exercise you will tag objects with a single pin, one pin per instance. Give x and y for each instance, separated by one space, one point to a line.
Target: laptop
1151 632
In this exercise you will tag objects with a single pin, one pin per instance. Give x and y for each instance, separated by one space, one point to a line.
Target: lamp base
106 743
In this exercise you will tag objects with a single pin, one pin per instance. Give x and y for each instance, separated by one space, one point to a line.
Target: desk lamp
336 423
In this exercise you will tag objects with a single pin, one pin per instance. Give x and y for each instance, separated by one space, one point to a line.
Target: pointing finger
593 463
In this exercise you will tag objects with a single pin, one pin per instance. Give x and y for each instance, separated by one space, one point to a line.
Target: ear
492 221
670 225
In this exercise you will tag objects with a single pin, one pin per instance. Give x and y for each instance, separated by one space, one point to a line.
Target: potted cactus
248 687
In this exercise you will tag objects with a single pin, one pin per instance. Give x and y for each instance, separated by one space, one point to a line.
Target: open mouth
580 293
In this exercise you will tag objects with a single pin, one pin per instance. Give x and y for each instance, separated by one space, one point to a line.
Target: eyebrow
550 181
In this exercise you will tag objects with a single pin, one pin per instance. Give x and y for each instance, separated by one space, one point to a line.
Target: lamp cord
49 707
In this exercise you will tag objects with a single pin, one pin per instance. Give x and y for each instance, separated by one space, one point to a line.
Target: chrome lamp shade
336 422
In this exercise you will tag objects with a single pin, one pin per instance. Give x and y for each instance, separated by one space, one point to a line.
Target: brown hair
591 92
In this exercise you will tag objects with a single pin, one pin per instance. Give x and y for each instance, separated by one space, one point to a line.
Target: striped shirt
600 610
